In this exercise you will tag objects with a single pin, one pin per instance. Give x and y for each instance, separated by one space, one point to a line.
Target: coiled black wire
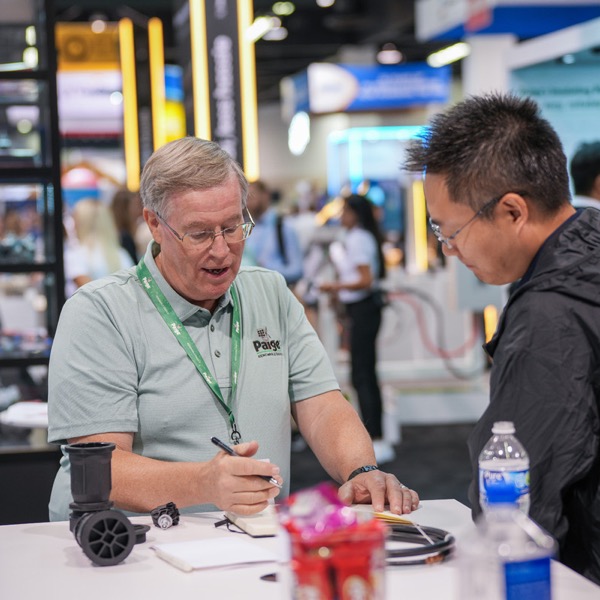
431 553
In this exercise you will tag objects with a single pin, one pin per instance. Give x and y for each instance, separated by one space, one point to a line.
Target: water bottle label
518 479
528 580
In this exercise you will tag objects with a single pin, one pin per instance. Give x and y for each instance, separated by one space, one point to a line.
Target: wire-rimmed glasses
447 241
204 239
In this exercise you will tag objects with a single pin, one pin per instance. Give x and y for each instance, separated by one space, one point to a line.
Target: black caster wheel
106 537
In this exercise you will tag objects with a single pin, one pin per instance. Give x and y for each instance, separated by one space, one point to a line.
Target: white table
43 561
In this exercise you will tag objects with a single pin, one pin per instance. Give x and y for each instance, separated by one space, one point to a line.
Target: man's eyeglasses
205 239
447 241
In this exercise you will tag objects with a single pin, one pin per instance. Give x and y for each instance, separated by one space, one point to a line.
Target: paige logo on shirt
264 345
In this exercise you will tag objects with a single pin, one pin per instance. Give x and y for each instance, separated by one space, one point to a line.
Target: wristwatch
360 470
165 516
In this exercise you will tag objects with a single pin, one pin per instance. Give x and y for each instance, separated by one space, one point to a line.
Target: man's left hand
379 488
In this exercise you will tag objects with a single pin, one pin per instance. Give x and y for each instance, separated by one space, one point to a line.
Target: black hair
494 144
363 208
585 167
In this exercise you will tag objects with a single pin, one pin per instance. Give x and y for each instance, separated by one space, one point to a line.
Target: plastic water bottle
504 462
508 555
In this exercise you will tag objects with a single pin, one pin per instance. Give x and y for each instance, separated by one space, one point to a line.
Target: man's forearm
140 484
336 434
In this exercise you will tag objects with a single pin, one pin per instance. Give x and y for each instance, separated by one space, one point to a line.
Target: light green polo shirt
115 366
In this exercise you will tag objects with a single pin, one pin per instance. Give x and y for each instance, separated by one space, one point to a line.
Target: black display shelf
29 267
44 169
26 360
31 466
38 75
15 174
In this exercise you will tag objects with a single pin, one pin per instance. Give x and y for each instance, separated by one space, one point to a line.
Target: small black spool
105 535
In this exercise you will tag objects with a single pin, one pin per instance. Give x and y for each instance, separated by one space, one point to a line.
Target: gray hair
183 165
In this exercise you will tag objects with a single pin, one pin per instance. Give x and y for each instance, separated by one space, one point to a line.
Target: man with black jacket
497 192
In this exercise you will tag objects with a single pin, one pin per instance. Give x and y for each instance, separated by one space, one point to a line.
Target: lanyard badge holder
183 337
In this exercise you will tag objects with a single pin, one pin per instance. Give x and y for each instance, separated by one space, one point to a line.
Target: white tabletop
43 561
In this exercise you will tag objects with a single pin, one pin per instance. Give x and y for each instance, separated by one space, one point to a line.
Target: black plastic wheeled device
105 535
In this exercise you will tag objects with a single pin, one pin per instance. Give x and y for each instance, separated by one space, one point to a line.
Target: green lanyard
183 337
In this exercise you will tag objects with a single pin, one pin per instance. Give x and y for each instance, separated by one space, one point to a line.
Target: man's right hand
235 483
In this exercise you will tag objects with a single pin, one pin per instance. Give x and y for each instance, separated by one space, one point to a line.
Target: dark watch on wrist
165 516
360 470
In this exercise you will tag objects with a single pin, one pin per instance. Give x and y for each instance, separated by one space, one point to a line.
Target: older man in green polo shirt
186 346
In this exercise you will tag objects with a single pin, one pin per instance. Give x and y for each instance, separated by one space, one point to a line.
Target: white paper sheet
213 553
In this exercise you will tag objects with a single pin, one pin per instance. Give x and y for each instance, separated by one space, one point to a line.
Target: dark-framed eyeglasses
447 241
201 240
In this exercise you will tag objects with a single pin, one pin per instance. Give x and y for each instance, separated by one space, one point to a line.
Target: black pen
232 452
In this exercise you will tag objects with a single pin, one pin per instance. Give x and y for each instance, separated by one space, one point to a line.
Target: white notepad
213 553
262 524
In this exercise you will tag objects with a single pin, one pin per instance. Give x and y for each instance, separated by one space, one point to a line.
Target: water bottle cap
501 427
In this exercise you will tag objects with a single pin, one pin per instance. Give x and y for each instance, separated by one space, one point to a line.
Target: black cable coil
431 553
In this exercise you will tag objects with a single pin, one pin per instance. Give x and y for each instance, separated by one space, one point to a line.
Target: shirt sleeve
92 385
360 248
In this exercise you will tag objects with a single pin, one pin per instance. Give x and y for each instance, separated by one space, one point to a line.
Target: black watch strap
360 470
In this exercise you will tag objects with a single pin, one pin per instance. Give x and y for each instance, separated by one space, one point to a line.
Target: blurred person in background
16 243
304 217
585 174
124 206
74 264
96 240
314 254
142 234
275 243
13 226
360 266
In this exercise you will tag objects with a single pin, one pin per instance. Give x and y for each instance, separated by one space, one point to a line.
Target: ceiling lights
389 55
449 55
283 9
261 26
276 34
